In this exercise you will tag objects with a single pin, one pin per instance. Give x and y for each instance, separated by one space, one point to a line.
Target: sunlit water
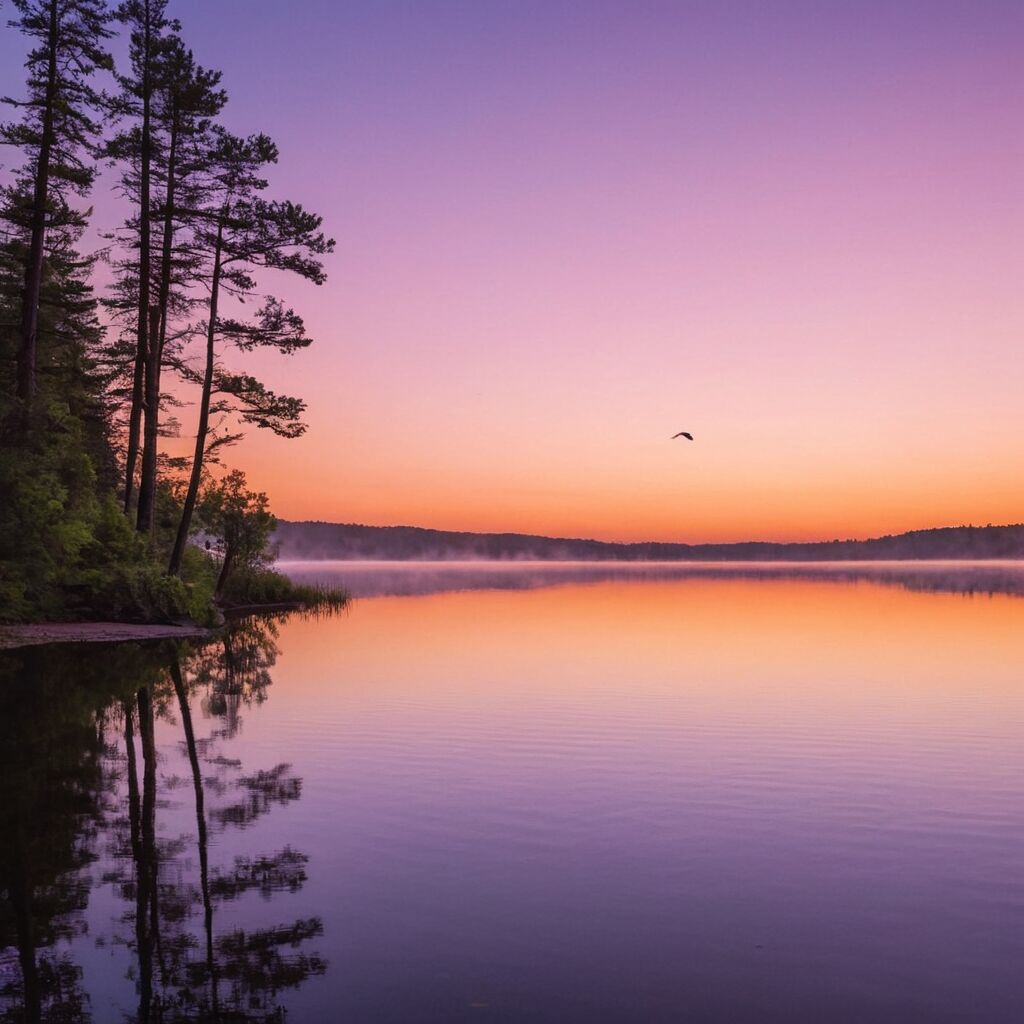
561 793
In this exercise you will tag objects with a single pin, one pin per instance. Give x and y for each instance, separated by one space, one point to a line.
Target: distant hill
350 541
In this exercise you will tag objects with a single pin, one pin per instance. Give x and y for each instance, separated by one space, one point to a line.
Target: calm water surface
559 793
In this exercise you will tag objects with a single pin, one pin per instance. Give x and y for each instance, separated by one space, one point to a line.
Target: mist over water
391 578
562 794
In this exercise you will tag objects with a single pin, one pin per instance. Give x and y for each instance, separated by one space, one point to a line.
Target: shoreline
38 633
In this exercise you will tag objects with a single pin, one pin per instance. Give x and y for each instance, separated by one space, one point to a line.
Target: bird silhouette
682 433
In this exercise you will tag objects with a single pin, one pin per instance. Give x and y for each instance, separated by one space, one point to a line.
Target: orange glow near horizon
652 490
679 629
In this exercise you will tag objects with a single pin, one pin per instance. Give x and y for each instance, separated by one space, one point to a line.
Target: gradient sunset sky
568 230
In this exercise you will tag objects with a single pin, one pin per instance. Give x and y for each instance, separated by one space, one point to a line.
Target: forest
116 338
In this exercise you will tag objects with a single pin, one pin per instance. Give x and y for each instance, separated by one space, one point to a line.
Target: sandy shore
92 632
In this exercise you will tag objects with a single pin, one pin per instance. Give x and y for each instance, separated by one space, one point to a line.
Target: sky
566 231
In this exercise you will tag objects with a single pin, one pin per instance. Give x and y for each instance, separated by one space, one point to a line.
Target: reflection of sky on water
719 795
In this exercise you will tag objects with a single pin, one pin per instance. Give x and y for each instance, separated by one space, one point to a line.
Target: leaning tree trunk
192 495
27 352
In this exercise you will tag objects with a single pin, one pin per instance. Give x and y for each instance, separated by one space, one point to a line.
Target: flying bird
682 433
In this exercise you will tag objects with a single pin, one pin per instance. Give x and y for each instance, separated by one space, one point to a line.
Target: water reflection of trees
235 672
52 791
85 777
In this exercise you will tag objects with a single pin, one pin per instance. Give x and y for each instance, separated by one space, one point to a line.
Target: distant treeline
350 541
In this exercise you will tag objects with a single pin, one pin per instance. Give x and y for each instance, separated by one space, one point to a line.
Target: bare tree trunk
146 513
192 494
154 361
163 297
142 346
27 352
134 427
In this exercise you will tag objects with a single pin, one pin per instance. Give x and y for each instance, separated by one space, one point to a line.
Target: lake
573 793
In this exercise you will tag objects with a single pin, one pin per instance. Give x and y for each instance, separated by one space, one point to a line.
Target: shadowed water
722 795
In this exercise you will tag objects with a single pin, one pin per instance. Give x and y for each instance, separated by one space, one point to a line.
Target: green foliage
263 586
47 523
67 551
239 524
199 575
255 586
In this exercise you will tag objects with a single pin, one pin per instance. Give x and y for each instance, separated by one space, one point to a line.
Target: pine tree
187 100
245 233
58 133
148 27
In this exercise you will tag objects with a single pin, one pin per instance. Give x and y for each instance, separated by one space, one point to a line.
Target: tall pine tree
148 27
245 233
187 99
58 133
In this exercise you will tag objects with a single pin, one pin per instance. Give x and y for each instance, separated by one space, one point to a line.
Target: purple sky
568 230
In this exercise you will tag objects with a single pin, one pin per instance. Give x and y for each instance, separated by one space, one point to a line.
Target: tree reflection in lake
88 747
51 804
234 672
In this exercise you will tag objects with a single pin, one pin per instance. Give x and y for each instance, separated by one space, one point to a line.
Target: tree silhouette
57 132
148 25
184 98
244 233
